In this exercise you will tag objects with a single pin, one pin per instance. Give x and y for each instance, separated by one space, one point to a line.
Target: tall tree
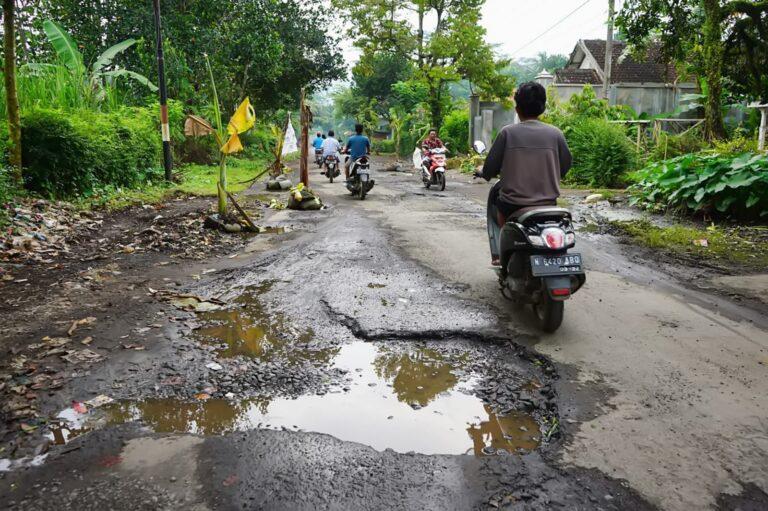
746 49
11 95
266 49
698 34
442 38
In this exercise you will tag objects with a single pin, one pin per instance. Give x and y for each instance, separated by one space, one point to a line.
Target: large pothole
431 397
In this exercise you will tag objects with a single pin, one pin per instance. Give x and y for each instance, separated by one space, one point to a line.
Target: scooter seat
524 214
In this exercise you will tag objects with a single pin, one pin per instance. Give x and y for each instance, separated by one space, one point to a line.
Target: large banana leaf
37 68
119 73
105 59
65 47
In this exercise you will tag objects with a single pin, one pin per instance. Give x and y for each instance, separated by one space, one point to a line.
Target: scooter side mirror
479 146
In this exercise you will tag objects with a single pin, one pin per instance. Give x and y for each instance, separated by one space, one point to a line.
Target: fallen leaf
98 401
110 461
27 428
135 347
202 396
88 340
78 323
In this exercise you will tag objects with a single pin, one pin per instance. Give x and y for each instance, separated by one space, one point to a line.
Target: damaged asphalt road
360 361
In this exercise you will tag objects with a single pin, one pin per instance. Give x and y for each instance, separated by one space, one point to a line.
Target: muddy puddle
405 397
248 329
405 401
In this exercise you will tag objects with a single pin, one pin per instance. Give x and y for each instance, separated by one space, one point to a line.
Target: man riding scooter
317 143
357 146
531 157
531 239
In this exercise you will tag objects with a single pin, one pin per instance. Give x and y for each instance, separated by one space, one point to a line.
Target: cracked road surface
365 360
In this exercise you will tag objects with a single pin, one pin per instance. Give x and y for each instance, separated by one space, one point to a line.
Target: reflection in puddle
417 377
251 331
377 409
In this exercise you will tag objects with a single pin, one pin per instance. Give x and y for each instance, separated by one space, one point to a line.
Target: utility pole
11 94
164 126
609 49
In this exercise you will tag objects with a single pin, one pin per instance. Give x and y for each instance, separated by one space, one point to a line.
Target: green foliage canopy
450 50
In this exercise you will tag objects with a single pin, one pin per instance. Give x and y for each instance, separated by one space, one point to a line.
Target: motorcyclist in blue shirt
317 143
357 147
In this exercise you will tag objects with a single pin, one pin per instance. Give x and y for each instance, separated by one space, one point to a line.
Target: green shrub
7 188
602 153
455 131
384 146
670 146
55 155
732 185
73 153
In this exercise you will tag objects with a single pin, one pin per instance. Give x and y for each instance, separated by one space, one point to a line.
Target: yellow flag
233 145
244 118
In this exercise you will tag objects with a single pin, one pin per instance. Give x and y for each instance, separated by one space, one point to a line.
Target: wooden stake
242 212
306 120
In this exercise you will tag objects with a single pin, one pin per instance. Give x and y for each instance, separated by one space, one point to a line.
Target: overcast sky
514 25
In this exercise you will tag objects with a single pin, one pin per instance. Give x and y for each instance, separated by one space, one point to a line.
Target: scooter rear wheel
549 313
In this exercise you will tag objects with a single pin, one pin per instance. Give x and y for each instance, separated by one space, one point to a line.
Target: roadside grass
198 180
743 246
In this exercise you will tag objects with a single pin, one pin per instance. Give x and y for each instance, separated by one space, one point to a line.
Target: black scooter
360 182
331 167
536 266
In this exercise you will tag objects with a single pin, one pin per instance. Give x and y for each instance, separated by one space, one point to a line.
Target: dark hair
319 134
331 133
433 129
531 99
359 129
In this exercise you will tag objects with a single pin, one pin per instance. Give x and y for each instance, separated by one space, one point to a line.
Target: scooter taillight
553 237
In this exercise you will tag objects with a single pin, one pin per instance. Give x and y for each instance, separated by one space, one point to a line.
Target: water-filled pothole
404 400
248 329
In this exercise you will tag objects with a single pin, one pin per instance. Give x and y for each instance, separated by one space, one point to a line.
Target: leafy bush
670 146
455 131
66 154
7 187
602 153
733 185
384 146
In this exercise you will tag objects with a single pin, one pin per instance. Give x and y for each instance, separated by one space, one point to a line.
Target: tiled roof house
647 85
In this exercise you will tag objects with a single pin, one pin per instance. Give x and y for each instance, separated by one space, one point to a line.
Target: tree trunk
712 50
436 106
11 95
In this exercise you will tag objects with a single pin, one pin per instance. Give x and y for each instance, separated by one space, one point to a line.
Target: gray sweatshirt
531 157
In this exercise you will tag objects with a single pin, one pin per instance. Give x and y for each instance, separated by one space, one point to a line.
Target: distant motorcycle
331 167
433 168
360 182
536 267
319 158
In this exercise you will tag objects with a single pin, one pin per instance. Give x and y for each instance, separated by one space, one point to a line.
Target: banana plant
91 81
